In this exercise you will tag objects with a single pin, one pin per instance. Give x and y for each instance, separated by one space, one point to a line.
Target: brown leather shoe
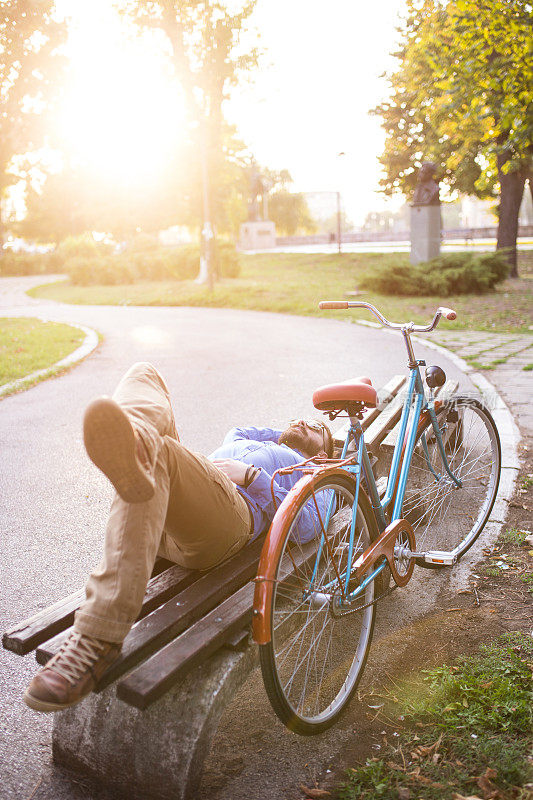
114 445
71 674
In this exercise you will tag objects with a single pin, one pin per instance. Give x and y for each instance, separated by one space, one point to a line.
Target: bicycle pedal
436 557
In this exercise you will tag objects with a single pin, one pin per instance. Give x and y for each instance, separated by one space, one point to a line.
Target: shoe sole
46 708
110 443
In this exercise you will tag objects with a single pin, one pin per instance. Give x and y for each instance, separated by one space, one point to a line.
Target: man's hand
235 470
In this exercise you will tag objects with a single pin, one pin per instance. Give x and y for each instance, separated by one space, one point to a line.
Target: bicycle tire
309 670
446 518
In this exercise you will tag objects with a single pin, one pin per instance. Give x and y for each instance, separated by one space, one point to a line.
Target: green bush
147 264
24 263
109 271
83 246
227 260
450 274
87 262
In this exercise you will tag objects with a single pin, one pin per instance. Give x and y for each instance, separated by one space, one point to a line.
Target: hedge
179 264
88 262
450 274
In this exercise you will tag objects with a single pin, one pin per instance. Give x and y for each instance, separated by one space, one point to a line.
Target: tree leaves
462 93
30 68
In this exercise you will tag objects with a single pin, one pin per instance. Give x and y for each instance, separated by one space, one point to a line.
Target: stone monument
425 216
258 233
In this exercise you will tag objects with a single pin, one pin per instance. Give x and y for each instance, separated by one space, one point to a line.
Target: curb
88 345
509 438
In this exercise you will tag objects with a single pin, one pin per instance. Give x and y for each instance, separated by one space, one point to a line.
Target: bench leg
156 753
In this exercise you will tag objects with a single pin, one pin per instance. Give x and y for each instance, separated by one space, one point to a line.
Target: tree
287 210
462 96
75 200
30 69
290 213
79 199
208 59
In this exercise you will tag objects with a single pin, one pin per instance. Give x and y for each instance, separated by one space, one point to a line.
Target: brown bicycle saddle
337 396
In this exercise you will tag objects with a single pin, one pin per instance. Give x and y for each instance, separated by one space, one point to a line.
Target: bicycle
315 600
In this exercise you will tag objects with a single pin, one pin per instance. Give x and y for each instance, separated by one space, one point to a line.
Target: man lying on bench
191 509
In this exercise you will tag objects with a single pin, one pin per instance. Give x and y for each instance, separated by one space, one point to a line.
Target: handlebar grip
333 304
449 313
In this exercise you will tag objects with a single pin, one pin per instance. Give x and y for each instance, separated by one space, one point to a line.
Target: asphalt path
223 368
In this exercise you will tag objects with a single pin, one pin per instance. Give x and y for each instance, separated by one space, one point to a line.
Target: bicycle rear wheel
313 663
445 517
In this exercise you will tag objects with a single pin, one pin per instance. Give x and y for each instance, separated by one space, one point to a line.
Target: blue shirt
259 447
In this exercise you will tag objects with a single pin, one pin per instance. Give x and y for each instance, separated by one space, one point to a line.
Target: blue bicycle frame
415 395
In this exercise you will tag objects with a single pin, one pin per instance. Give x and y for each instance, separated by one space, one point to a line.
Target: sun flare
122 113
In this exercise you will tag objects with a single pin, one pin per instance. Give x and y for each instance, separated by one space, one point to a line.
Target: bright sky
307 103
311 100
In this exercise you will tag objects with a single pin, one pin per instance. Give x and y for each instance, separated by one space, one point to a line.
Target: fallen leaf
392 765
422 779
426 751
404 793
489 789
456 796
315 794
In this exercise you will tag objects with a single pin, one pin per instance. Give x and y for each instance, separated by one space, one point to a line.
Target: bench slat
378 430
444 393
385 396
152 679
174 616
155 677
51 621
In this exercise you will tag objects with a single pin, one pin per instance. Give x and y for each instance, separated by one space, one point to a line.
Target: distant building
525 216
476 213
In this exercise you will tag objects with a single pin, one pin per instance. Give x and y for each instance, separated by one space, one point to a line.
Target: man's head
309 436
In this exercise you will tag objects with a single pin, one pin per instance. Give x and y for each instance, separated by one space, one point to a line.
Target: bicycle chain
386 593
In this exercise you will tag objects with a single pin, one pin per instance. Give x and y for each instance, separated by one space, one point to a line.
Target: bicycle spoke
313 675
444 516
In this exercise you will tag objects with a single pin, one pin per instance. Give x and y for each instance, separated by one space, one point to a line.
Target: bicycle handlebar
449 313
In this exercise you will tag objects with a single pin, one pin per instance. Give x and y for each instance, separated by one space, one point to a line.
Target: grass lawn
463 731
27 345
294 283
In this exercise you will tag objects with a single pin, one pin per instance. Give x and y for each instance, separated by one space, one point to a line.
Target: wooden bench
148 728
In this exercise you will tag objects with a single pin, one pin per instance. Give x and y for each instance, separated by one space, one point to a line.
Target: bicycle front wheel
317 653
445 517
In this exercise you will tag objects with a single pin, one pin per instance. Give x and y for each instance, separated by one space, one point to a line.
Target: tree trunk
2 228
205 274
511 193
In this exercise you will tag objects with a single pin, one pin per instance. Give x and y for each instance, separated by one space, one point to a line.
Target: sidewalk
506 360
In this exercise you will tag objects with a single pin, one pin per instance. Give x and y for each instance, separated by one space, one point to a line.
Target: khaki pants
196 518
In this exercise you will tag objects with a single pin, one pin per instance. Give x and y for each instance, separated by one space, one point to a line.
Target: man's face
307 436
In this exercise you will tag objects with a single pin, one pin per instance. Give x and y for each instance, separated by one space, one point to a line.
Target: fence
467 234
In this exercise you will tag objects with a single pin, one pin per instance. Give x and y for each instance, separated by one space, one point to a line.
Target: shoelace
78 654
